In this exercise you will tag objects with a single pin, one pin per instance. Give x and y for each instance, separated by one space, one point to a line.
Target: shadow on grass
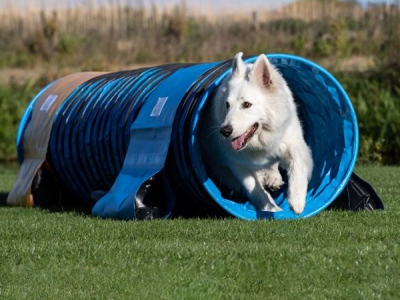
76 209
3 199
55 207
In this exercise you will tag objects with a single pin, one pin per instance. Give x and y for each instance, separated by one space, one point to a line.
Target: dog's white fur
256 94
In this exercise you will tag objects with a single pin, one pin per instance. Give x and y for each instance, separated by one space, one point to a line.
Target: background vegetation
360 45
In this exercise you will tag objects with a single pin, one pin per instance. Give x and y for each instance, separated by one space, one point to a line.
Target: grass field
334 255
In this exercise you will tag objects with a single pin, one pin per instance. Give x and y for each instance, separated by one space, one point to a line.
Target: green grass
334 255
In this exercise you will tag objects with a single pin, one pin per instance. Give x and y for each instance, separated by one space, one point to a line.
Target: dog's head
253 102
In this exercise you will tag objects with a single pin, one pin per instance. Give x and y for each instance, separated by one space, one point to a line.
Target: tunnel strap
150 136
36 134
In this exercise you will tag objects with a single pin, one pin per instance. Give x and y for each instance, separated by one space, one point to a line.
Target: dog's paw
273 180
147 213
297 204
271 207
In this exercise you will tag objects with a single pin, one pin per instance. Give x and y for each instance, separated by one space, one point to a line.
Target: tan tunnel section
36 137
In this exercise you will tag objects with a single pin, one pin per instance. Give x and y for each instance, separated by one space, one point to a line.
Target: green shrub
322 47
376 106
331 39
299 44
289 25
69 43
13 102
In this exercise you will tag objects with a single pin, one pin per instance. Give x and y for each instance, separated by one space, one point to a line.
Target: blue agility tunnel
117 130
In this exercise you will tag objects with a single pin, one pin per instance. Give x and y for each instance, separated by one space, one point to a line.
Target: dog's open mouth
238 143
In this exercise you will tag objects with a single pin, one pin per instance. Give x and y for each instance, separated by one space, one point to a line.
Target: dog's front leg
299 170
272 178
258 196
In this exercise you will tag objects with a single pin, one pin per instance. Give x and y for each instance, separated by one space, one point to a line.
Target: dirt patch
19 76
350 64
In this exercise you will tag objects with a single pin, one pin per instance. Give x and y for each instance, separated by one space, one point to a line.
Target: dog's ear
261 72
238 66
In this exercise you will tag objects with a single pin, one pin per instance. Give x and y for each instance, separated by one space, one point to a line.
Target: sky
219 4
201 5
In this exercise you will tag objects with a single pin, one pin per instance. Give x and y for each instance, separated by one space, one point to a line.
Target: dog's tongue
239 142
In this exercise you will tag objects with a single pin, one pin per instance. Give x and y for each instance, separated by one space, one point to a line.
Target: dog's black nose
226 131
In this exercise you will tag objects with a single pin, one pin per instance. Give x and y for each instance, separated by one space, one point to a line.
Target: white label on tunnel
158 107
49 101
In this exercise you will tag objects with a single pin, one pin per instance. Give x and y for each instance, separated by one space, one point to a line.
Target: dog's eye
246 104
227 105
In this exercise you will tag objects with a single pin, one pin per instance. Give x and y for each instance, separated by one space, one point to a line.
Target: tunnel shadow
3 199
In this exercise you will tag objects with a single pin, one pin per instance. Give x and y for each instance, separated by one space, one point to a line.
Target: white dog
252 128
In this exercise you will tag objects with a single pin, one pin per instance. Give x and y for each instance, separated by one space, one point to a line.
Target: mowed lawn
334 255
